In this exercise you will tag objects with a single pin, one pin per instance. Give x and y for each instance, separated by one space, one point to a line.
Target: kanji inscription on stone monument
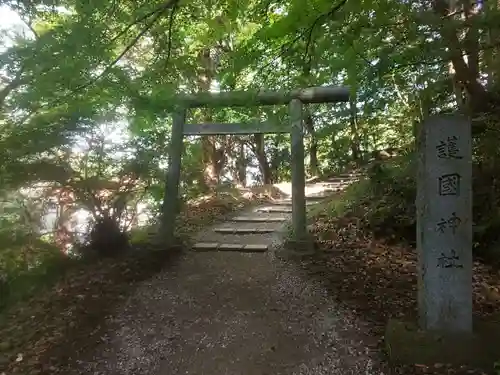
448 149
450 223
444 224
449 184
452 260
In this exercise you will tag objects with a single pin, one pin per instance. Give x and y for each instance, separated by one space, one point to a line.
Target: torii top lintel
322 94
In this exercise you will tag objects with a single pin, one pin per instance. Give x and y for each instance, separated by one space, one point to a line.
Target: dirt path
232 313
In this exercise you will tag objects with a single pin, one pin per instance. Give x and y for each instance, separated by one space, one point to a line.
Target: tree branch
170 28
302 33
11 86
161 8
159 12
440 60
322 17
398 92
30 27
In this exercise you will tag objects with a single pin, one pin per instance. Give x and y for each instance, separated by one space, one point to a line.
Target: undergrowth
366 239
30 268
45 324
384 203
25 280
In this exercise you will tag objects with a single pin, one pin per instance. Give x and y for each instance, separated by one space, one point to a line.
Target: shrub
106 239
385 200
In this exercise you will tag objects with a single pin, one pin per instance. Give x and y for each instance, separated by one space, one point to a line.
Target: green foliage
86 93
486 187
390 201
83 68
25 270
385 199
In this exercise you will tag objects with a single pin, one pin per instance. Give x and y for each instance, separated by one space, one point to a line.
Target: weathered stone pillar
170 206
298 171
444 224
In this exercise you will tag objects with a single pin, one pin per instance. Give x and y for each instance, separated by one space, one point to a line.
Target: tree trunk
313 144
260 153
471 42
212 159
308 119
492 51
241 164
209 173
467 75
471 38
355 146
458 90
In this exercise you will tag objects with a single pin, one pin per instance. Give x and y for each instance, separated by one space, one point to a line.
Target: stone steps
244 231
276 210
342 179
217 246
349 175
341 176
288 202
337 184
253 219
334 190
265 220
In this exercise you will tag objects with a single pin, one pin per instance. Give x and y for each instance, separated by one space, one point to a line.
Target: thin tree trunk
313 144
308 119
355 146
458 89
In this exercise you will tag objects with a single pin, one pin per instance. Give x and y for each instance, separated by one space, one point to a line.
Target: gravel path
231 313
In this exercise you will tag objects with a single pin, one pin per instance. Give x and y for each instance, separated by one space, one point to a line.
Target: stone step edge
278 210
342 178
288 202
256 219
329 190
244 230
346 175
337 183
218 246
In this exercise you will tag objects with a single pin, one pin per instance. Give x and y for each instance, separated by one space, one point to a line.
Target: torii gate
295 99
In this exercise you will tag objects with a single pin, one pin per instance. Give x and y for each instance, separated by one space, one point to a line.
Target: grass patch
339 204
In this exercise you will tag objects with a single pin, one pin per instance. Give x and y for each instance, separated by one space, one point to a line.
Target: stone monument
444 224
